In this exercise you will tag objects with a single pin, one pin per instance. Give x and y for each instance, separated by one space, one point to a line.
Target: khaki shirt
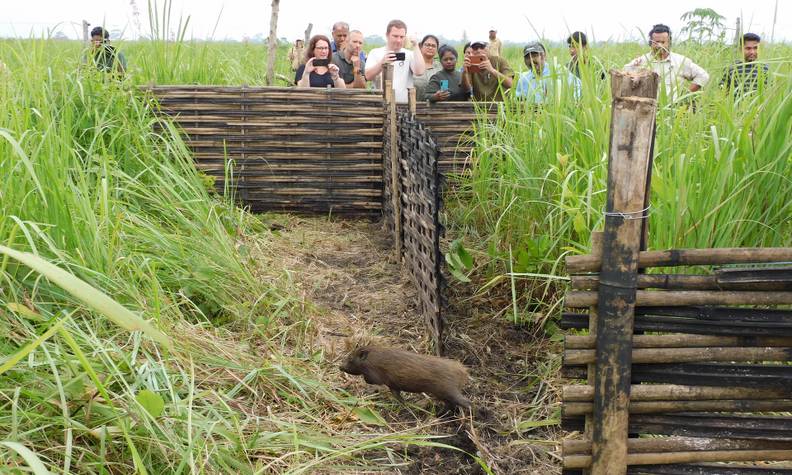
495 48
486 86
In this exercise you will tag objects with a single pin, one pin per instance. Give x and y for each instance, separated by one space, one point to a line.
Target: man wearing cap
671 67
579 54
495 47
486 76
536 84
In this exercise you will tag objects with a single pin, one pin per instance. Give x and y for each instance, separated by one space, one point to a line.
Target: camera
321 62
400 55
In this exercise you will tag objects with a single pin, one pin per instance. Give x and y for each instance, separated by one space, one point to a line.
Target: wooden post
632 125
390 101
272 49
411 101
591 369
308 34
86 32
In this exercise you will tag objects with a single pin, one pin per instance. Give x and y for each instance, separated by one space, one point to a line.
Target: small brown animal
412 372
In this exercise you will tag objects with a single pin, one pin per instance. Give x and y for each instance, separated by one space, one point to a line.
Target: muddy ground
347 270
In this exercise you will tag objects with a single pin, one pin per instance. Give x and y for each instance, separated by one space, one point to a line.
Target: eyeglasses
322 47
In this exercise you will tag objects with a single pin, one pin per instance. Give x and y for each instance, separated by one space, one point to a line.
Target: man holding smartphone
488 77
351 68
406 63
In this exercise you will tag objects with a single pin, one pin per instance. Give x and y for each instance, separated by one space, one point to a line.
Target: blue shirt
536 89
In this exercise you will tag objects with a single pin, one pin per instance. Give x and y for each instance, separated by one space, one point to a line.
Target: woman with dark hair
428 46
323 73
446 84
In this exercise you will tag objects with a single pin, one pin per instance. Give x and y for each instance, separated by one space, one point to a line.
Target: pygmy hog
412 372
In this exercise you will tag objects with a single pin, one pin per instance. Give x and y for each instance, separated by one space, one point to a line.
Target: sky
515 21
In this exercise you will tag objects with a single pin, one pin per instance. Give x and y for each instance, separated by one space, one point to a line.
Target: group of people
432 69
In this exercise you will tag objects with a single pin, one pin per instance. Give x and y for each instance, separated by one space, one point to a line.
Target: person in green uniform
446 84
105 56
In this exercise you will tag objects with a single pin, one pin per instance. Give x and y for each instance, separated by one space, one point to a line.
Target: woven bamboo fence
707 391
413 198
294 150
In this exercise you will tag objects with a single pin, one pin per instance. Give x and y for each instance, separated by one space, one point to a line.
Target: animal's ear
363 354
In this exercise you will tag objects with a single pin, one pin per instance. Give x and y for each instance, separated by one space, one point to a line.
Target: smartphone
321 62
475 60
400 55
444 84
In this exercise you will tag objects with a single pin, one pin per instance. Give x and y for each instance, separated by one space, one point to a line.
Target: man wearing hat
486 76
495 47
536 84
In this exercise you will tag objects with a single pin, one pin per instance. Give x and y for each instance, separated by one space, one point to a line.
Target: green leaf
30 458
465 257
579 223
459 275
369 416
151 402
87 294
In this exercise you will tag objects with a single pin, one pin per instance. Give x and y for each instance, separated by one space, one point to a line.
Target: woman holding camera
318 71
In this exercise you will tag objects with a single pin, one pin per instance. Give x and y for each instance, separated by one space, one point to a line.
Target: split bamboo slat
294 150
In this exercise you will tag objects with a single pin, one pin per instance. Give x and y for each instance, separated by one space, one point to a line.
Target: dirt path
346 269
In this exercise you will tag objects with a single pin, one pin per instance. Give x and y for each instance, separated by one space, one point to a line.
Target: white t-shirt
402 72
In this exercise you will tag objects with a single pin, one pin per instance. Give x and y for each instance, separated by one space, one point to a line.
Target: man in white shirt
671 67
404 68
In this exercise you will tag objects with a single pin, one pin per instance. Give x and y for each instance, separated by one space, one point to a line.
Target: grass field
90 185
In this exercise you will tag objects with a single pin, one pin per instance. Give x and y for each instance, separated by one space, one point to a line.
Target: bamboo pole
632 125
688 282
585 461
677 444
690 257
591 369
587 342
677 298
676 392
688 355
661 407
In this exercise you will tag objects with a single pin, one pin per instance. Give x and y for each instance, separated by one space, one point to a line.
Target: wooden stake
308 34
632 125
390 101
272 48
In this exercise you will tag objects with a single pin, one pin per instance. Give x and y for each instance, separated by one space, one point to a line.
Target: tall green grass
94 184
722 173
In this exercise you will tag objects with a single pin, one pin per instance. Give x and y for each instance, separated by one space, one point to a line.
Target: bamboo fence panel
452 125
314 151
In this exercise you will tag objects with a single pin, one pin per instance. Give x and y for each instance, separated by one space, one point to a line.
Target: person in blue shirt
536 84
